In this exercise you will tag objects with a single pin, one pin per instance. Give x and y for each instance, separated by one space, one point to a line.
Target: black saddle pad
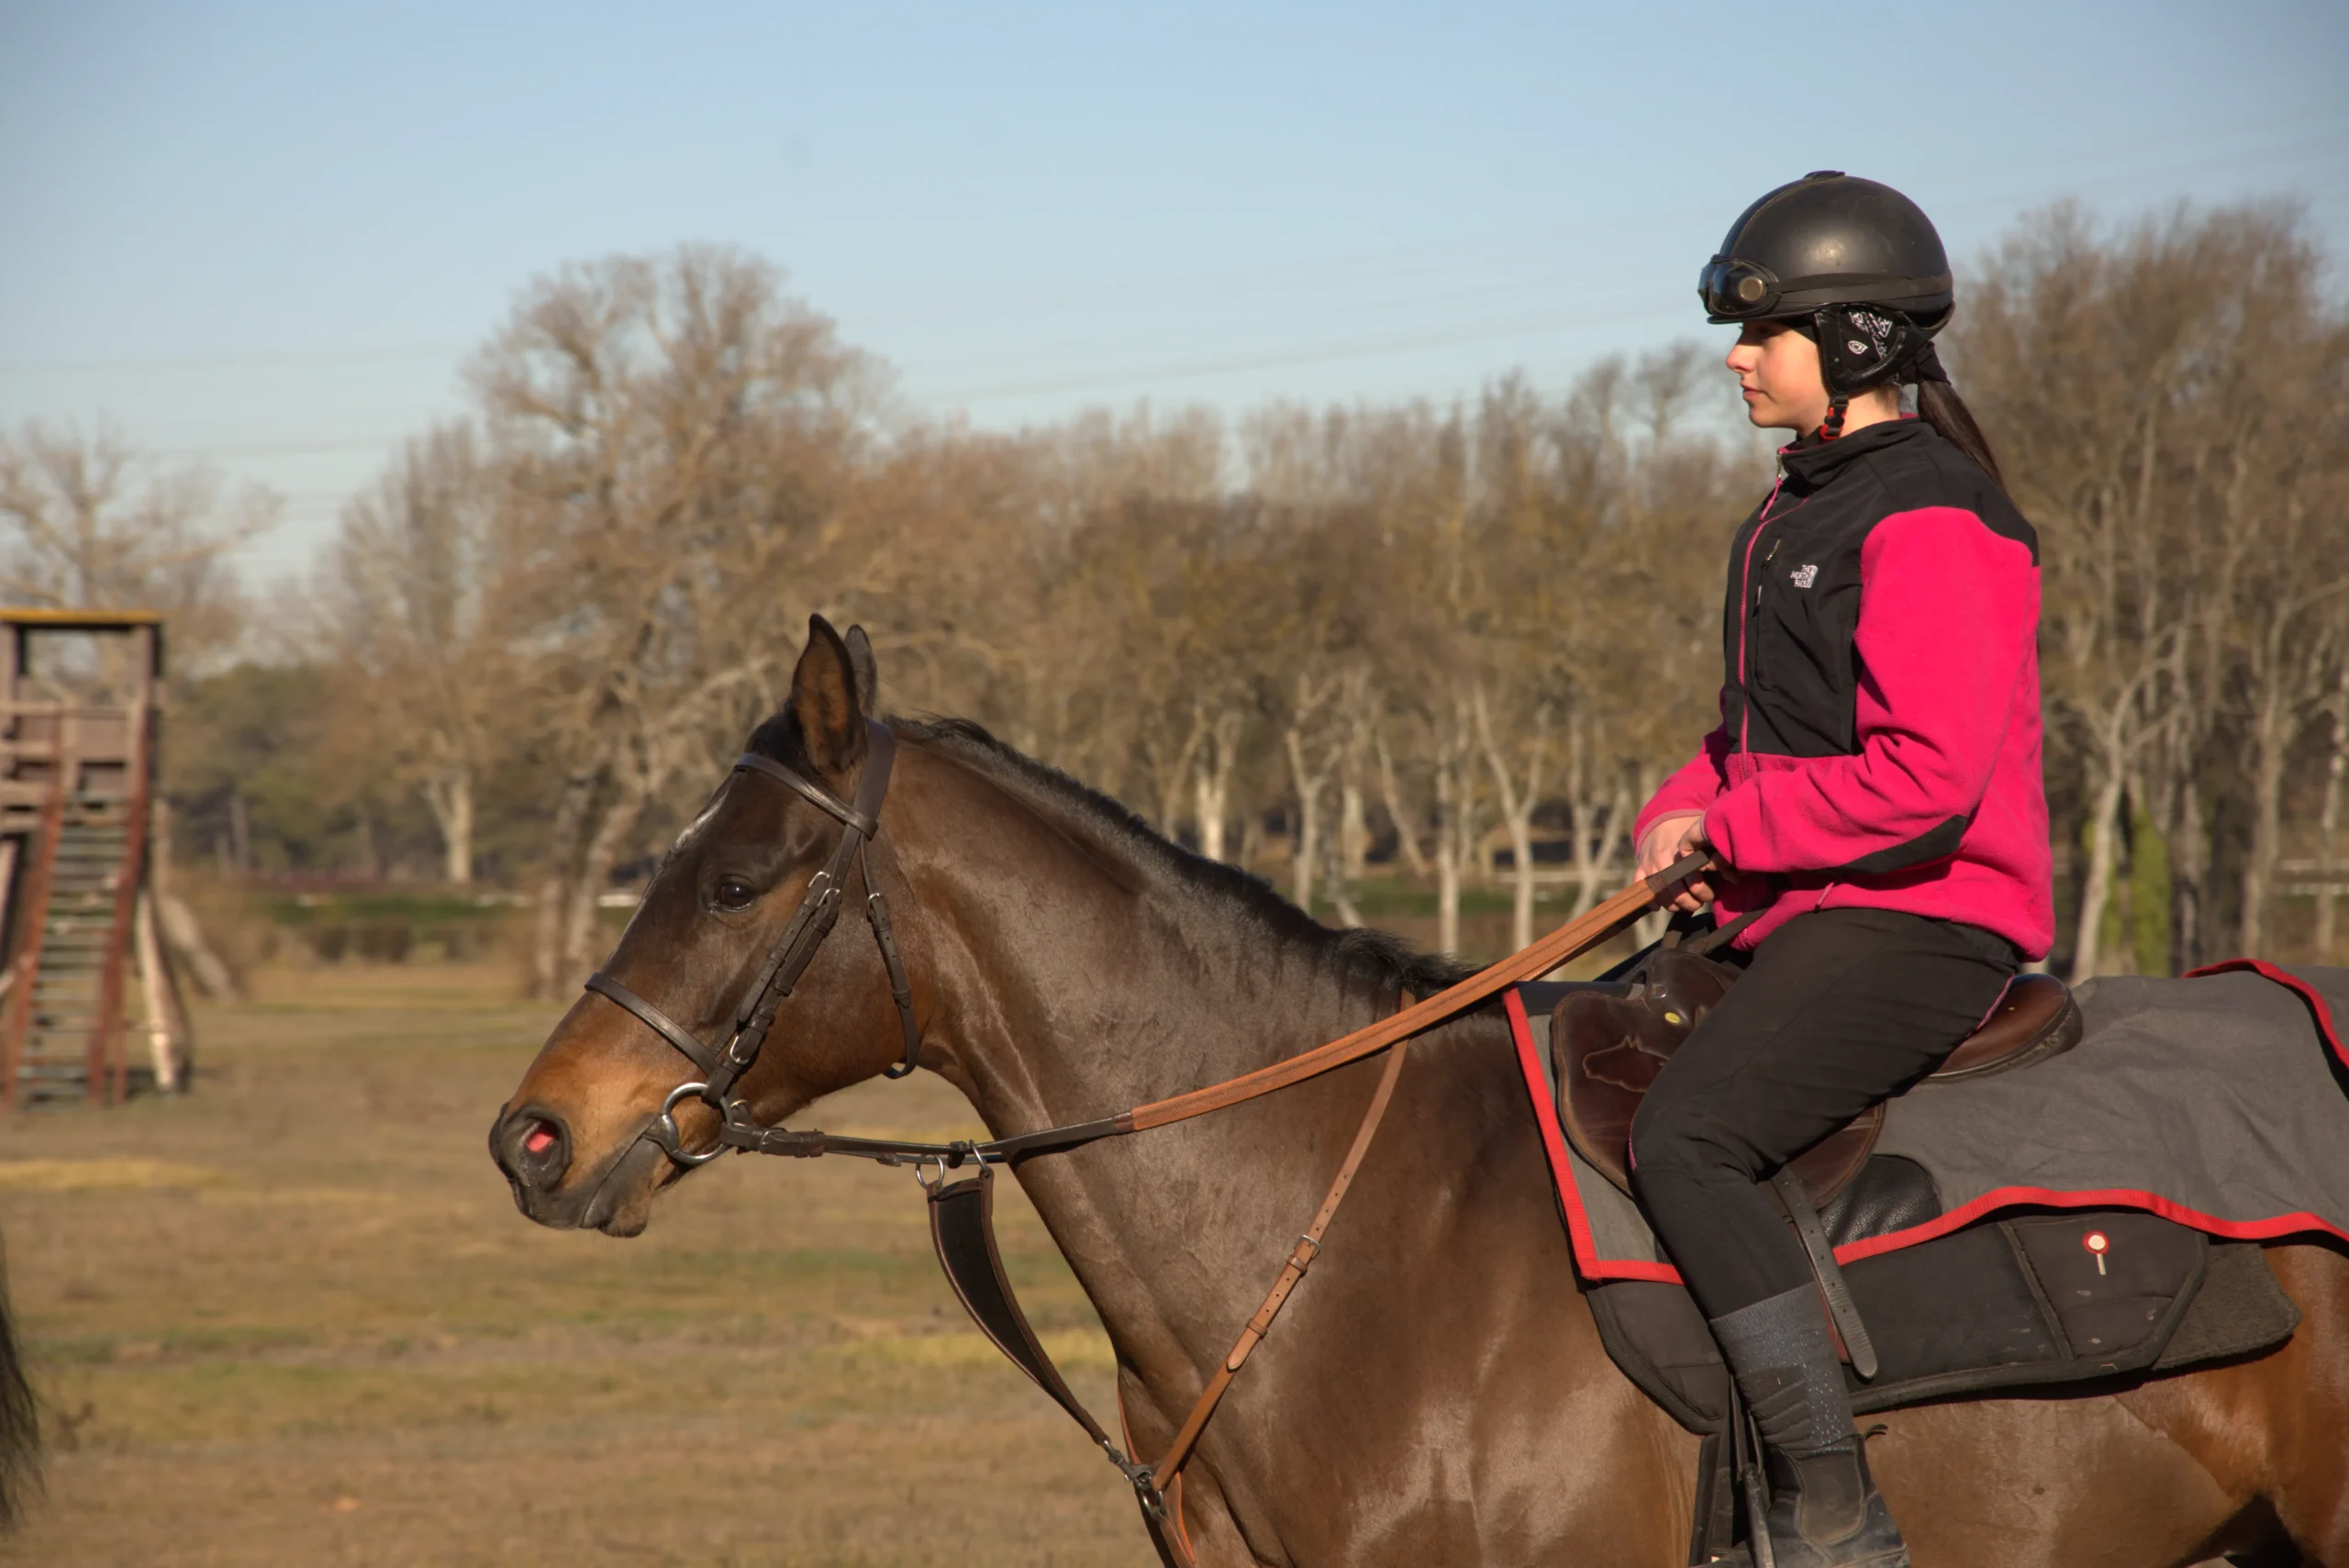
2024 1297
2015 1303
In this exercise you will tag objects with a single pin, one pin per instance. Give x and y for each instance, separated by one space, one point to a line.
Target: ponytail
1938 405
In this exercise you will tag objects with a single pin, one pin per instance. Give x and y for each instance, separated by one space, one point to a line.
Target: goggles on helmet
1735 290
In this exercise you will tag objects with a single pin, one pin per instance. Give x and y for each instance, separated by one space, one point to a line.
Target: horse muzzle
534 1147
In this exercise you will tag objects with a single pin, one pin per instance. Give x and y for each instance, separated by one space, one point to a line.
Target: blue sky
265 235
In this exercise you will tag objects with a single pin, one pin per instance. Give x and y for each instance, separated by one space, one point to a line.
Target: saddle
1610 1041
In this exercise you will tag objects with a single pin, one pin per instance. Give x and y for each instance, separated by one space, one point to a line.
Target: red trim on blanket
2274 1227
1593 1267
1562 1176
2290 982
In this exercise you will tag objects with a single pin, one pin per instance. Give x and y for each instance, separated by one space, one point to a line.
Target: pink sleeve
1948 612
1691 788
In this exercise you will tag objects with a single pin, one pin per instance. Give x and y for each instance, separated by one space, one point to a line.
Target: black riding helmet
1853 265
1829 238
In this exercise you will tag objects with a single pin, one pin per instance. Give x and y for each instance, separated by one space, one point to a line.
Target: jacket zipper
1750 601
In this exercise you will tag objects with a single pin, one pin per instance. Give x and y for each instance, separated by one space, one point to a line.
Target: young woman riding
1872 796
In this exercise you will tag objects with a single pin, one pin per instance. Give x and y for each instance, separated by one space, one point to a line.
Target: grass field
292 1319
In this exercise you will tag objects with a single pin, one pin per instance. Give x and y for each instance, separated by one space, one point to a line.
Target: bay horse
20 1420
1437 1392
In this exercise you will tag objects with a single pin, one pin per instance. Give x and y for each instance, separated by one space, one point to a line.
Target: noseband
819 909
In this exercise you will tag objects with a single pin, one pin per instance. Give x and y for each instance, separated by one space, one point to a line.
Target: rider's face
1778 368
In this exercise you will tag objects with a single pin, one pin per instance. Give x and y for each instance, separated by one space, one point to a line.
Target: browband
880 747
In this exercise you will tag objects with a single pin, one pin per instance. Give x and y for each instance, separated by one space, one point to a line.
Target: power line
1505 254
234 360
287 449
2082 162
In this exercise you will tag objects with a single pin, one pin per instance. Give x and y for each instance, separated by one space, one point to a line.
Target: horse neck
1082 974
1079 974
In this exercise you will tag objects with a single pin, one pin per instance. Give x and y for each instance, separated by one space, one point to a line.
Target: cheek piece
1865 346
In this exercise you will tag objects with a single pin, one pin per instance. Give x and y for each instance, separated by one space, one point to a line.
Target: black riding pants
1839 1008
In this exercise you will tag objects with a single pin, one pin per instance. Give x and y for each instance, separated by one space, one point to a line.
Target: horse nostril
538 1150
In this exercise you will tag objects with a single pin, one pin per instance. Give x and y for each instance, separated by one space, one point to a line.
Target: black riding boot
1825 1511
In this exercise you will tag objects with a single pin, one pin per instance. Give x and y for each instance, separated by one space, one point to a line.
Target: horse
1437 1390
19 1422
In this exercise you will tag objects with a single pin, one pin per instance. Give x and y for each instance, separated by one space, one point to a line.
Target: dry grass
293 1319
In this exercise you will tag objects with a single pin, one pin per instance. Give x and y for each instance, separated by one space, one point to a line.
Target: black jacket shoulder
1792 667
1909 465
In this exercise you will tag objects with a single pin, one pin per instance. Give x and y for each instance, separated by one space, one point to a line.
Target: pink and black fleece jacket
1879 743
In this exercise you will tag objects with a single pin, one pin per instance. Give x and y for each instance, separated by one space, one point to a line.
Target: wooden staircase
70 1042
76 794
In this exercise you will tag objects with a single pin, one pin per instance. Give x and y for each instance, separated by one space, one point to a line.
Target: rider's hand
1669 839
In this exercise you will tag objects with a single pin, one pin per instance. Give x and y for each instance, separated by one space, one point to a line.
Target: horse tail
20 1420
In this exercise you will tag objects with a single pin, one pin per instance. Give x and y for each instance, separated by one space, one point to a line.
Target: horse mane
1373 957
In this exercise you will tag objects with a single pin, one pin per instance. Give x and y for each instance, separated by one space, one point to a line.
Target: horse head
581 1140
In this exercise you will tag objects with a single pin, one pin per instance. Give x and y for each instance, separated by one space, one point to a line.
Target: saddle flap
1608 1050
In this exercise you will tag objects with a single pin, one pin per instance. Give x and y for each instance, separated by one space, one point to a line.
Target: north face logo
1804 576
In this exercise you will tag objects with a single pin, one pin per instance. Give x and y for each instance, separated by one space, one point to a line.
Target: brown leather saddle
1610 1049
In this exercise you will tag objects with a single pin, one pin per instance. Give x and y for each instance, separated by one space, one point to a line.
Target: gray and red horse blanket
2218 1101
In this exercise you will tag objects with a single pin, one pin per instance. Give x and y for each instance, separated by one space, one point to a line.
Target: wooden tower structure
81 693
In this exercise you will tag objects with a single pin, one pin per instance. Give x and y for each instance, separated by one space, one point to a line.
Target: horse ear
868 673
824 696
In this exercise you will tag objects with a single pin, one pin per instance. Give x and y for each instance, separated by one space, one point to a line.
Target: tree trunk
1341 902
2271 741
2120 958
554 884
595 875
1171 779
1517 813
1521 913
371 862
166 1027
1305 833
1209 782
213 977
1595 841
1448 854
240 834
2096 887
1589 868
1407 827
1353 830
2189 865
2329 819
450 793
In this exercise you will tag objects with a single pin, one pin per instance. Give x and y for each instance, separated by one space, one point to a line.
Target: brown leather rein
962 1223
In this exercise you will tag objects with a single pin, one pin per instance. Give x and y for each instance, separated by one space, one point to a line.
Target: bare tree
90 521
411 604
1437 628
674 433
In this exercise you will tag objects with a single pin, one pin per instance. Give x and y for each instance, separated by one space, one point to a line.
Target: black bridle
818 909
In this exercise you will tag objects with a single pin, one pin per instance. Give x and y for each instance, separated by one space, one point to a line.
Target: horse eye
735 894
